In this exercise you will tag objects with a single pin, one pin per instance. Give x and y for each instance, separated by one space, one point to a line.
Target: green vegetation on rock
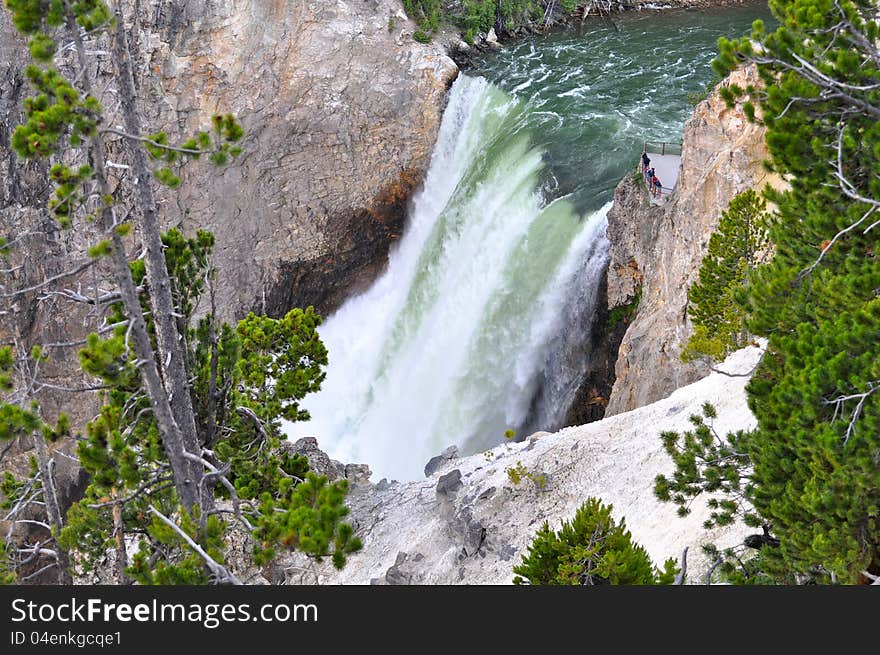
518 473
427 13
736 248
809 470
624 313
480 16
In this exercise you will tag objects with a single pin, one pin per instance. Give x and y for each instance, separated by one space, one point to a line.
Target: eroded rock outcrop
340 113
656 250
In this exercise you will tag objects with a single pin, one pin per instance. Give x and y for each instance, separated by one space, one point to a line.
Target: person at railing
649 177
656 186
646 161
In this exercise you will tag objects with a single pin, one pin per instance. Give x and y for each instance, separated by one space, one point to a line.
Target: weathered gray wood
170 342
53 510
172 440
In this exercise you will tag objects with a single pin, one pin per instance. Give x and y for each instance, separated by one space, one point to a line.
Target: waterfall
470 330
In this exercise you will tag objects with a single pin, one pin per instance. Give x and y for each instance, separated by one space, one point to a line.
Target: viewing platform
666 161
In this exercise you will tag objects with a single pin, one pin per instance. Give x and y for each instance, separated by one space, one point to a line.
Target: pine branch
155 144
220 572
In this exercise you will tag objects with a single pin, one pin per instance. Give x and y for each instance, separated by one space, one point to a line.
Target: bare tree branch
42 524
36 550
137 492
58 387
104 299
79 342
679 579
24 498
249 414
840 401
711 570
849 189
50 280
875 579
220 475
747 374
38 572
220 572
155 144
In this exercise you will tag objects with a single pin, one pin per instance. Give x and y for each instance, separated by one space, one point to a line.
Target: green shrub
638 177
736 248
696 97
421 36
426 13
590 550
479 16
624 313
518 473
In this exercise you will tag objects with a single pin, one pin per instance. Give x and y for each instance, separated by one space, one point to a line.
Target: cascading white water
453 342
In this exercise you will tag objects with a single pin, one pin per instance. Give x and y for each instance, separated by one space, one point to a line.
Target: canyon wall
656 250
340 109
340 115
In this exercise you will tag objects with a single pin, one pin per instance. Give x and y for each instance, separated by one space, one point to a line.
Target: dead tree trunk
171 343
53 509
187 478
119 540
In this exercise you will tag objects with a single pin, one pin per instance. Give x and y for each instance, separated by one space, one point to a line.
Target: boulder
438 461
448 484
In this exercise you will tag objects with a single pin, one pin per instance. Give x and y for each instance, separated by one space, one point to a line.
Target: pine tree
738 246
187 444
592 549
246 380
812 462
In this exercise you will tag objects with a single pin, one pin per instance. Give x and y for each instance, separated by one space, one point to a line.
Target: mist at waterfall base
480 323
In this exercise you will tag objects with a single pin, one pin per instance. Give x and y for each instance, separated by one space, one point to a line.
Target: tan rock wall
659 248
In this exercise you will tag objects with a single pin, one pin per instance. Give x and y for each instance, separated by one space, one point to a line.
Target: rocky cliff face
341 109
656 250
469 523
340 114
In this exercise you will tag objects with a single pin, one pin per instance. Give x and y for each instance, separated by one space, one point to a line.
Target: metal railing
662 147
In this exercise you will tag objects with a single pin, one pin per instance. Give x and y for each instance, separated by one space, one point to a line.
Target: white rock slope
469 524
